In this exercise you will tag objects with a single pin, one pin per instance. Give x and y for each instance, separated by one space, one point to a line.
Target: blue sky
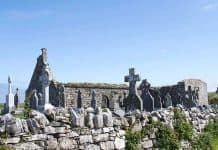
98 40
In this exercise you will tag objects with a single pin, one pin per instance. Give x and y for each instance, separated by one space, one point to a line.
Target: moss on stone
95 85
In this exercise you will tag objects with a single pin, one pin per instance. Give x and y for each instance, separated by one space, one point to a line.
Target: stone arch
105 102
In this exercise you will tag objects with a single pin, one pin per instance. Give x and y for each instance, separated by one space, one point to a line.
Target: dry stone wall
91 129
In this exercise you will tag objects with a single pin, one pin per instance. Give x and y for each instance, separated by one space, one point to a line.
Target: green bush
167 138
133 139
213 98
208 140
182 127
5 147
27 108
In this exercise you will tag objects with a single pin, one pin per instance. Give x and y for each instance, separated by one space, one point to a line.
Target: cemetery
103 116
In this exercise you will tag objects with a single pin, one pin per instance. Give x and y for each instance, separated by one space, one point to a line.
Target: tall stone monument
16 98
133 100
9 105
45 79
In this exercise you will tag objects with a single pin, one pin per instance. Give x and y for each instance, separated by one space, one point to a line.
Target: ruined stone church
190 92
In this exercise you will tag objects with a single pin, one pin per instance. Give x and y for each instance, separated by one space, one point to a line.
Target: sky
99 40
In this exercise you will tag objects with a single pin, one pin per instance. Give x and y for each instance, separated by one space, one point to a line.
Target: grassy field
213 98
20 107
215 144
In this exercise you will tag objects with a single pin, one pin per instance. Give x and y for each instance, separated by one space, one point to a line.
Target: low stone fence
66 129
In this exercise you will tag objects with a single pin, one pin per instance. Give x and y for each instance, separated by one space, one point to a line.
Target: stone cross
9 105
9 85
134 101
132 78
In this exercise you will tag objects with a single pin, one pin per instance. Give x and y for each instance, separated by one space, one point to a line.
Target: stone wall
58 129
105 93
66 129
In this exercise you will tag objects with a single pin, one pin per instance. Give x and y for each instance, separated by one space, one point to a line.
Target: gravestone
34 100
168 100
105 102
93 100
148 100
9 105
16 98
157 99
77 118
79 99
133 100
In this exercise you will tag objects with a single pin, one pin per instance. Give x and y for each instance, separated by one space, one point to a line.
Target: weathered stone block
119 144
86 139
98 121
101 138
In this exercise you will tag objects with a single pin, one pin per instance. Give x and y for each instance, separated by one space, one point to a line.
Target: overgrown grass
213 98
5 147
208 140
1 106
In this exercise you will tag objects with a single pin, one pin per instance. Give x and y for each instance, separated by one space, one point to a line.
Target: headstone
34 100
77 119
148 100
79 100
157 100
105 102
133 100
9 105
93 101
16 98
168 100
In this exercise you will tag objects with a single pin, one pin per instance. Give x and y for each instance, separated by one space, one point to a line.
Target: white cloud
210 7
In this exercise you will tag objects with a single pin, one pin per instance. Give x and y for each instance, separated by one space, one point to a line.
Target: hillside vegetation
213 98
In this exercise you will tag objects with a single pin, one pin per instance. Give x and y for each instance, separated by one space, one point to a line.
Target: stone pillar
9 105
45 82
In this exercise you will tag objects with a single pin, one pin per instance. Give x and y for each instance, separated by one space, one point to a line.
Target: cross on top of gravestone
133 101
132 78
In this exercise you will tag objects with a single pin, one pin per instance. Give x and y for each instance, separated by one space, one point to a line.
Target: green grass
1 106
214 144
213 98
